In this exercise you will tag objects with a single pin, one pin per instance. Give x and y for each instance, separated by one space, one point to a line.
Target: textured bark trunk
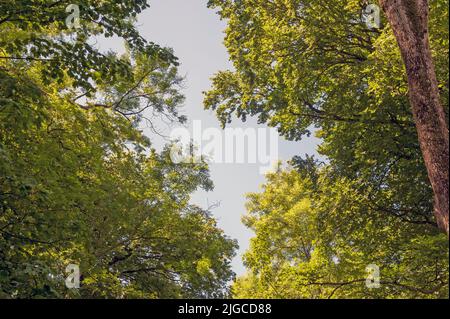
409 21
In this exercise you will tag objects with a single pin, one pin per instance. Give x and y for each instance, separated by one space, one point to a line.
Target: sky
195 33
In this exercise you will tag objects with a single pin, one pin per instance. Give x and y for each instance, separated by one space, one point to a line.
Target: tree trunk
409 21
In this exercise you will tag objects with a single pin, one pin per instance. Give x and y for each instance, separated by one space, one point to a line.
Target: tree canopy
315 238
79 182
314 67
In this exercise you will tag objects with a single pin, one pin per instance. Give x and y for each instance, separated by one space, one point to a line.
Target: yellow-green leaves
79 182
316 240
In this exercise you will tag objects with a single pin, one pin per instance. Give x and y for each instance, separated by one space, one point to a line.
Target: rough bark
409 21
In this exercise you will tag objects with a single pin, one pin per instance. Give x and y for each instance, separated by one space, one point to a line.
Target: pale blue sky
196 35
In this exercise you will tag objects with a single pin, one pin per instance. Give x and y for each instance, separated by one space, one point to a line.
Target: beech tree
79 181
313 65
409 21
315 237
307 66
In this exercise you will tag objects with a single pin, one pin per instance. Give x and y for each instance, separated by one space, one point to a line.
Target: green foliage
315 241
314 64
306 66
79 182
36 30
